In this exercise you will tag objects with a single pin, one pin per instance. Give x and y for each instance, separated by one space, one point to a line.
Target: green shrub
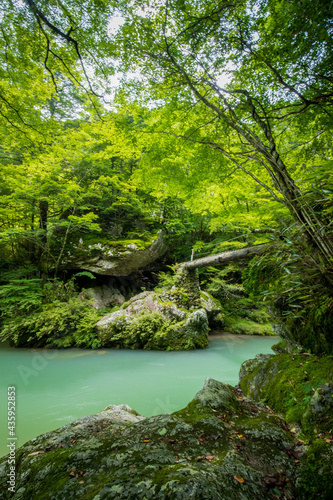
242 313
61 324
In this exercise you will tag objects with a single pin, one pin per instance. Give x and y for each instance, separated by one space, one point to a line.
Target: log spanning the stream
225 257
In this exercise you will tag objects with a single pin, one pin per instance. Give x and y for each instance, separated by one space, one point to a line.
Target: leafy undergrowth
56 325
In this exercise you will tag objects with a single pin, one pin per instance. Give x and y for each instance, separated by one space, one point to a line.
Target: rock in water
148 321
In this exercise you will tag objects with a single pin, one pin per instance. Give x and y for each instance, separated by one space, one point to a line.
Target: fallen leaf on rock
210 457
239 479
35 453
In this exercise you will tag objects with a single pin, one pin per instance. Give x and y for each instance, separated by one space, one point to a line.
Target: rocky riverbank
222 445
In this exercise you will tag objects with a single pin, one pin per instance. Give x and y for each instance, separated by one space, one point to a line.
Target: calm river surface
58 386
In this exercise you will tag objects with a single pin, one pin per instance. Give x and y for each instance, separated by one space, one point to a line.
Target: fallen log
225 257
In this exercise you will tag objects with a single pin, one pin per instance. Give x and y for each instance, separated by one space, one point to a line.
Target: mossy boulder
300 387
114 258
219 447
149 321
214 310
319 414
297 385
103 296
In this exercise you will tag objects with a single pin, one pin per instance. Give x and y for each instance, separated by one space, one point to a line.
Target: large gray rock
217 395
103 296
120 260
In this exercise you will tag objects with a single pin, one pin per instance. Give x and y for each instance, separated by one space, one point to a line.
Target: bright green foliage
295 287
246 326
21 294
221 127
74 187
46 49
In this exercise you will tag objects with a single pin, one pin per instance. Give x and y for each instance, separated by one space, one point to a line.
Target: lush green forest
166 172
207 120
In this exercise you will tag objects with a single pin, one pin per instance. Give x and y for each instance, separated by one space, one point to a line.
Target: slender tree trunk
43 213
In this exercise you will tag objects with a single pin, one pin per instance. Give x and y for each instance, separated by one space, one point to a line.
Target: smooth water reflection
55 387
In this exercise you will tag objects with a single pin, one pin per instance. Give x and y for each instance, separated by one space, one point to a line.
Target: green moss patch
246 326
287 382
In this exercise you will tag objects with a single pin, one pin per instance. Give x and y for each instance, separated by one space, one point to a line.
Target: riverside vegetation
134 133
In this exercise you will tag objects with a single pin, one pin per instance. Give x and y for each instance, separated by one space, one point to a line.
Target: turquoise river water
58 386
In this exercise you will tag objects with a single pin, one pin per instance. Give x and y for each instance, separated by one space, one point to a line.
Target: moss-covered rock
186 290
149 321
114 258
103 296
218 447
299 386
282 347
214 310
319 414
